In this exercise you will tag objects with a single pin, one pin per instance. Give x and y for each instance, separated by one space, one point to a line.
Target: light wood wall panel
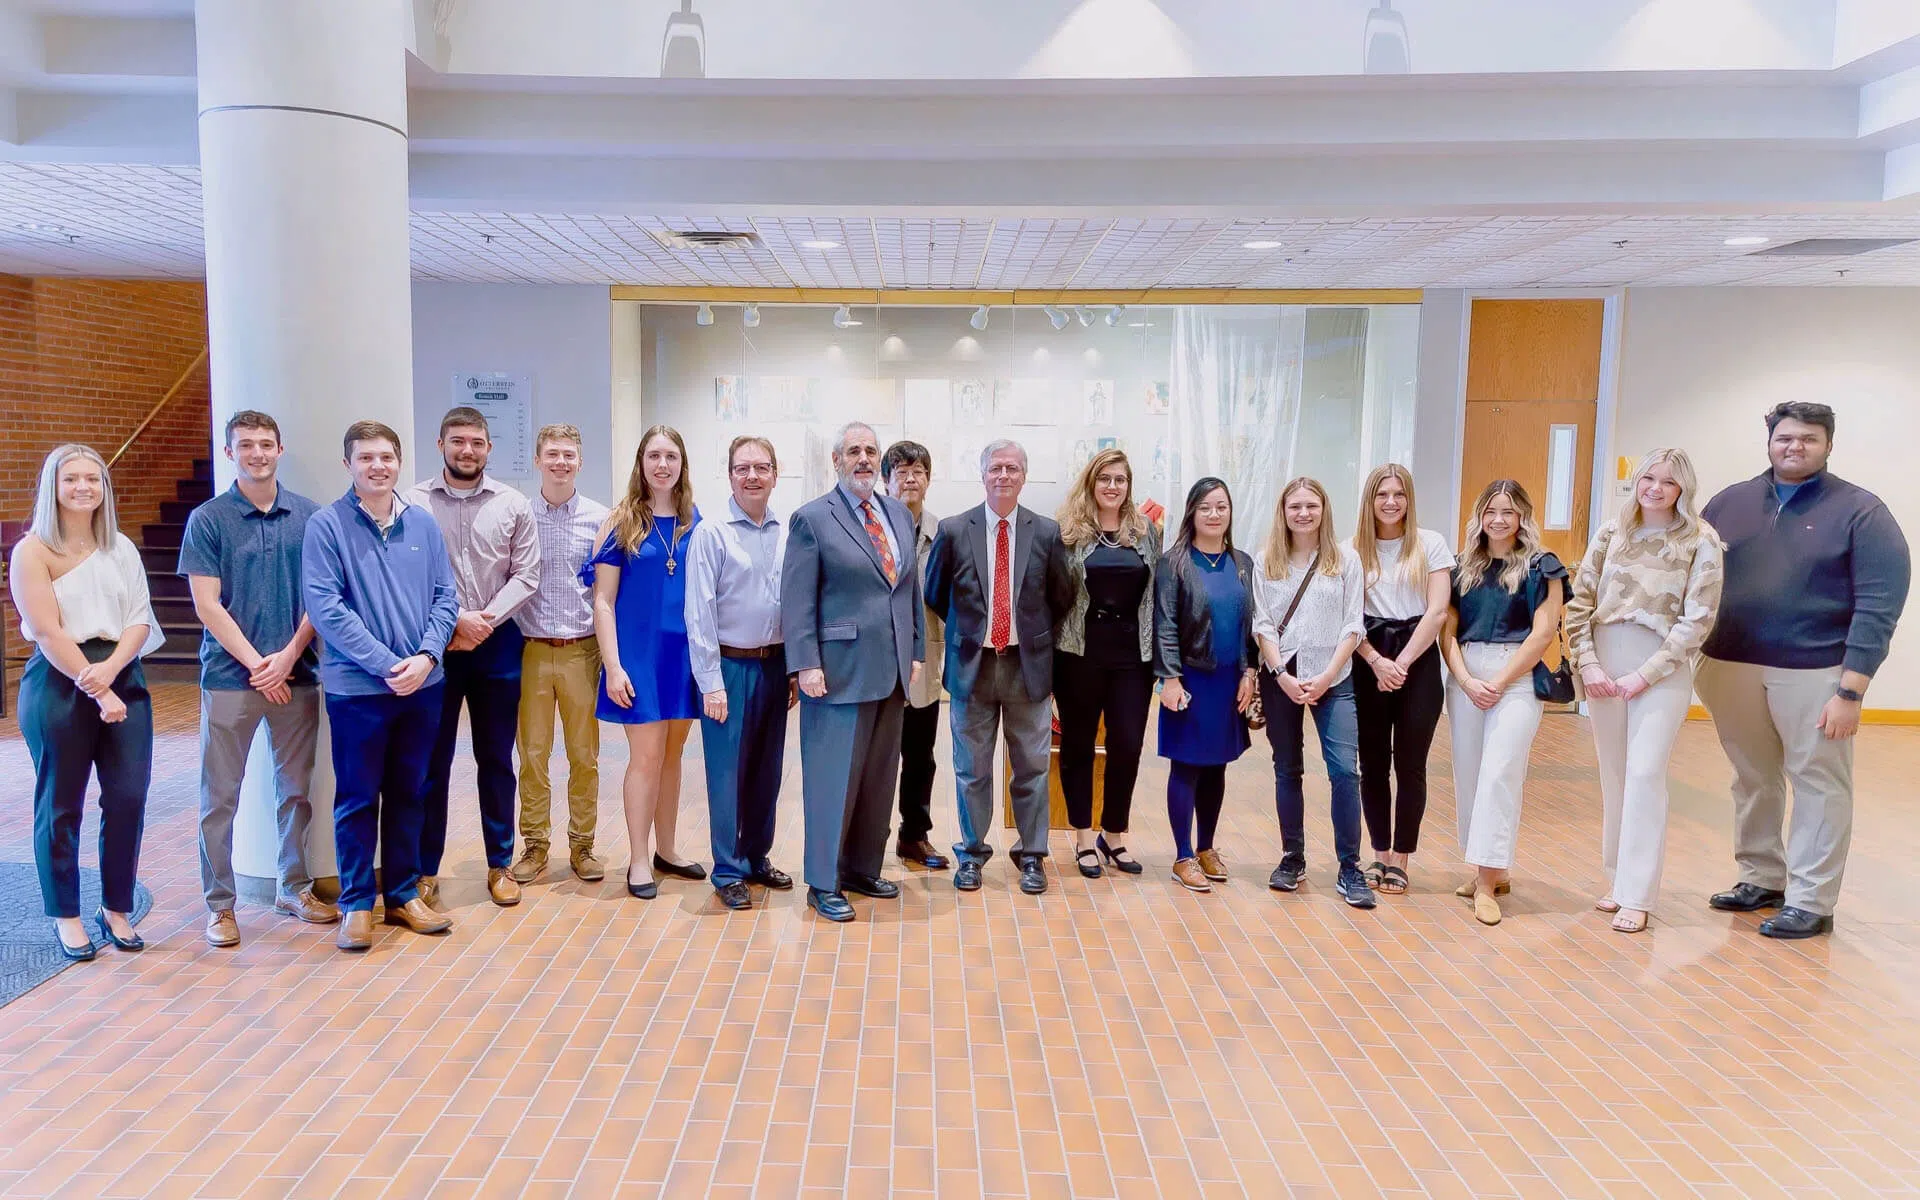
1534 350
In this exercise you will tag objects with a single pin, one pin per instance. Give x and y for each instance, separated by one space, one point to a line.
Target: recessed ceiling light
1260 244
1747 239
819 244
38 227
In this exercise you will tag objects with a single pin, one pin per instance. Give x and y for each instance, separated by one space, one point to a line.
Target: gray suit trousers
849 761
228 720
1000 695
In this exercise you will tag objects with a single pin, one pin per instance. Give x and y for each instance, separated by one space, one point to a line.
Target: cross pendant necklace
668 542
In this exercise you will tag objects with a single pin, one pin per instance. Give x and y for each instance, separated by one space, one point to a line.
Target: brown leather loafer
415 915
1212 865
430 890
356 931
532 861
307 907
921 852
501 886
586 865
222 929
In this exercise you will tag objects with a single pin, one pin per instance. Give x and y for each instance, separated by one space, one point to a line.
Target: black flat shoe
769 876
831 905
693 871
136 942
1116 856
1747 897
1089 863
642 891
736 896
73 953
1794 923
870 885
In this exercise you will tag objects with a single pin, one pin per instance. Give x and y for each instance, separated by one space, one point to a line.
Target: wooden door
1513 439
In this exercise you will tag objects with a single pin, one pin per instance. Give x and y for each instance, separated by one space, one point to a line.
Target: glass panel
1561 440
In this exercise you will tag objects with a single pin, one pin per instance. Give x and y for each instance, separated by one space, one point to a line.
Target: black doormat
29 950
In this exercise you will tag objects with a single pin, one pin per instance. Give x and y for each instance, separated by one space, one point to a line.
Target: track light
750 316
843 317
1058 318
703 315
1086 318
979 318
1114 314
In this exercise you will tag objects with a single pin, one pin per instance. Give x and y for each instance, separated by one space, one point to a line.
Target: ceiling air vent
705 239
1831 247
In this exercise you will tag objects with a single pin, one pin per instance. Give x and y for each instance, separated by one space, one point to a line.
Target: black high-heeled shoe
136 942
1113 856
73 953
1088 861
642 891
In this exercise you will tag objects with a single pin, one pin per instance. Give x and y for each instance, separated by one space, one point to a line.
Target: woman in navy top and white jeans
1507 597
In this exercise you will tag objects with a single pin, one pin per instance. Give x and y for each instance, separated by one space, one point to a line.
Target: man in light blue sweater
379 590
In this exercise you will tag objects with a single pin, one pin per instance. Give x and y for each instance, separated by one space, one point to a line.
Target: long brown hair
1280 541
632 518
1475 558
1079 514
1366 537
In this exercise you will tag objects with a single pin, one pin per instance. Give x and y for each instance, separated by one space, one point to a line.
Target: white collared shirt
1012 522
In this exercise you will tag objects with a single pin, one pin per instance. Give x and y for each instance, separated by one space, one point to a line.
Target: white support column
303 159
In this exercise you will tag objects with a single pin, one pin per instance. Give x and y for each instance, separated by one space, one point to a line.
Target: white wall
1701 366
560 336
1439 412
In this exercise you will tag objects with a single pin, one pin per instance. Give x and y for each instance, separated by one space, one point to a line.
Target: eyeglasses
1213 510
910 475
1112 481
753 470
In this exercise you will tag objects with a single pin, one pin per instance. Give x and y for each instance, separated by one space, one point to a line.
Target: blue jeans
744 757
380 749
1339 728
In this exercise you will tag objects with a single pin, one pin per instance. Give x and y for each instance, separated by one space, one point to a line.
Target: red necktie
879 537
1000 627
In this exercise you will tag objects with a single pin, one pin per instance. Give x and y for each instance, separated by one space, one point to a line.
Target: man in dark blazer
998 574
856 634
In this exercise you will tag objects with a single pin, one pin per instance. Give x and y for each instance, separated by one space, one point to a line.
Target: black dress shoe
692 871
1089 863
1117 856
921 852
1747 897
74 953
735 896
870 885
1286 876
642 891
136 942
769 876
831 905
1792 923
1033 877
967 876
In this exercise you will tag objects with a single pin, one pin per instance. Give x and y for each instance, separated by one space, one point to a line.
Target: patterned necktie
1000 627
879 538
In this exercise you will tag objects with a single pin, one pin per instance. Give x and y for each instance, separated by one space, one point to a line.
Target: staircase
178 661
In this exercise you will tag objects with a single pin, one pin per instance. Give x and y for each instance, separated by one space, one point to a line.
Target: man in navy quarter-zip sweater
379 589
1817 573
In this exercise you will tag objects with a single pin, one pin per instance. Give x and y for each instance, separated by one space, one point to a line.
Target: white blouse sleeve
1264 626
1353 598
136 603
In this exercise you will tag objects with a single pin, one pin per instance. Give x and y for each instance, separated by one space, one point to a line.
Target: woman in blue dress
1205 657
639 584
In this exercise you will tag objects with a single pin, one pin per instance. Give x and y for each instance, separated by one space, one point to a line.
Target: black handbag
1555 684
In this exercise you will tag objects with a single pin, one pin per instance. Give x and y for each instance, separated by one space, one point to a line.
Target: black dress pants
69 741
918 729
1396 732
1086 691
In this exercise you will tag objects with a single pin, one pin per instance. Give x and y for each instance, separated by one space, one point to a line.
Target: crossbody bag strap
1298 595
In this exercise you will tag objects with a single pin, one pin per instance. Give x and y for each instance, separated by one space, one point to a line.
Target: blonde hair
1280 538
557 433
1079 514
632 518
1475 558
1681 467
1366 536
46 500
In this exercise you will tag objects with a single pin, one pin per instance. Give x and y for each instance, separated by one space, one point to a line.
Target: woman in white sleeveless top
82 594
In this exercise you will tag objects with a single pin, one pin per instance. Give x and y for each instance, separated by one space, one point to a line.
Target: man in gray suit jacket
856 634
999 575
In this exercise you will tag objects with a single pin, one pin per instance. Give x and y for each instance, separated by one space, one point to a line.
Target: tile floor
1117 1037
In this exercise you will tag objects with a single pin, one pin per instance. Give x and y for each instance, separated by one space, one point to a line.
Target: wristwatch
1849 695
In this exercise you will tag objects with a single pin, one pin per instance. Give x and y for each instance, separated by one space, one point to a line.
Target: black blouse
1490 613
1116 580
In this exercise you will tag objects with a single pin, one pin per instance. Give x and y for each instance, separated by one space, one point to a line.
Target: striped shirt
561 607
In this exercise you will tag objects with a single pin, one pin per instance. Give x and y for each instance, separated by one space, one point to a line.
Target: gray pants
999 694
849 760
1766 718
228 720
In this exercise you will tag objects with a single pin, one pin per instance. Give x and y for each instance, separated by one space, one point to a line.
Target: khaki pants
567 678
1767 721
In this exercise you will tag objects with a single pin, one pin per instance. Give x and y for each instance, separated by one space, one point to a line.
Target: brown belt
755 652
558 642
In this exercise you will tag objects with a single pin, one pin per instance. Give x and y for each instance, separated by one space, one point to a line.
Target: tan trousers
566 678
1633 740
1767 721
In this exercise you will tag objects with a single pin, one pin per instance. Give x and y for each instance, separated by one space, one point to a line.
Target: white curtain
1235 400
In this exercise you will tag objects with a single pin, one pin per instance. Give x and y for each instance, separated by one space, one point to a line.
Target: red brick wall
84 360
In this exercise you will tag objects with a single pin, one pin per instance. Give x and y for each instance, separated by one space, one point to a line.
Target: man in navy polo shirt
241 558
379 589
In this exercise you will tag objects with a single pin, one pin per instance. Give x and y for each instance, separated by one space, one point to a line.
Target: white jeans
1490 751
1633 740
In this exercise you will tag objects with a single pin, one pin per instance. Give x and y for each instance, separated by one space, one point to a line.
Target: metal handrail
164 401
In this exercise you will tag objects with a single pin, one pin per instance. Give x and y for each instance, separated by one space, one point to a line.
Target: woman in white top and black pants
1398 691
82 594
1307 604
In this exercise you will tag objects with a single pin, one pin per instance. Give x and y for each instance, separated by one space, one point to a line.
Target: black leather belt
754 652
